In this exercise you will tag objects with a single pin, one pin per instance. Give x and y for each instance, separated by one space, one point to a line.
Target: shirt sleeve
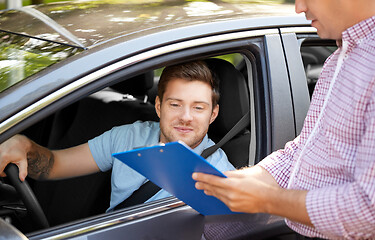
349 209
279 163
104 145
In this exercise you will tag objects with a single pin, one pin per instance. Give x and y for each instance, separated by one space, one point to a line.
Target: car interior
123 103
313 58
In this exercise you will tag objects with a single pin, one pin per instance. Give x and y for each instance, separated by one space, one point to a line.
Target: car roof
87 24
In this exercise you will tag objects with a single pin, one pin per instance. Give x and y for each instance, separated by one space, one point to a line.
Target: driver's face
186 111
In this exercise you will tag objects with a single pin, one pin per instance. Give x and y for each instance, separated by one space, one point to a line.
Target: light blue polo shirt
124 179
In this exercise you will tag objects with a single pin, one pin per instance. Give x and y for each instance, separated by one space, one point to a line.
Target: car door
305 55
272 123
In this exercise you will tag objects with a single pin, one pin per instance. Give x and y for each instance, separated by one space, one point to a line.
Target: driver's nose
300 6
186 114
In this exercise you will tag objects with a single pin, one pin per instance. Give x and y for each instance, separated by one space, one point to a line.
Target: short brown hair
190 71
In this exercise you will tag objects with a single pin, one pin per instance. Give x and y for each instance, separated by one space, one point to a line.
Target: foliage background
30 2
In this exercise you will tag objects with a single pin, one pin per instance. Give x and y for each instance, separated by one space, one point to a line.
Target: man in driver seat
187 103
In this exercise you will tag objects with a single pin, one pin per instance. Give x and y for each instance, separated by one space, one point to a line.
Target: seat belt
141 195
240 125
149 189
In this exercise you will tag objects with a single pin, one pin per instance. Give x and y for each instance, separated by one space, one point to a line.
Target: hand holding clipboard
170 166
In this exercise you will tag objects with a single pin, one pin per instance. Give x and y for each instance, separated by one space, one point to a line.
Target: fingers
212 185
202 180
205 181
13 151
3 162
2 166
211 190
208 178
22 166
215 180
234 174
201 177
241 190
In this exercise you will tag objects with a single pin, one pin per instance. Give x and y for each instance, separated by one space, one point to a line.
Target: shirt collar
360 31
199 149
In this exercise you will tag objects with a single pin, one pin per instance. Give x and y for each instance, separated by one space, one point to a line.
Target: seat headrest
136 86
234 97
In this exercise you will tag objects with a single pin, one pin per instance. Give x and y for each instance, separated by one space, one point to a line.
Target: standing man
187 103
322 182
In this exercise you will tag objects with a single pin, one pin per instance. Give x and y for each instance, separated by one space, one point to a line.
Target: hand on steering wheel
31 203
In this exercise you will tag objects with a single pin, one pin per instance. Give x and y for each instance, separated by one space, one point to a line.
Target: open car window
314 54
129 100
21 56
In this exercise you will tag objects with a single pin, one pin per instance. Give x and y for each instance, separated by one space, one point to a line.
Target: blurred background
18 3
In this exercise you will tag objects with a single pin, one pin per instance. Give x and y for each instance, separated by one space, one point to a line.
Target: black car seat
123 103
76 198
233 105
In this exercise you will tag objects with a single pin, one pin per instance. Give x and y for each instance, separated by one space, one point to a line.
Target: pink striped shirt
337 163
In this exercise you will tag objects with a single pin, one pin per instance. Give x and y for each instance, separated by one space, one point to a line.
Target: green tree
37 2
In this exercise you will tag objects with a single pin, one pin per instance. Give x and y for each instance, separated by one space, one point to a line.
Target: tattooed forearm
40 164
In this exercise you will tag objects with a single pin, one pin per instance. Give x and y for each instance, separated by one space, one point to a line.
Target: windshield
21 56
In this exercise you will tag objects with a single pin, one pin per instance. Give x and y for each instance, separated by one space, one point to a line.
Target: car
70 71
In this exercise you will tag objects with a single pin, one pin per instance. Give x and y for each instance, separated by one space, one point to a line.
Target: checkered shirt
337 166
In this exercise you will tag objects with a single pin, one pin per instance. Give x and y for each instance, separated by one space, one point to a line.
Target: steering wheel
28 198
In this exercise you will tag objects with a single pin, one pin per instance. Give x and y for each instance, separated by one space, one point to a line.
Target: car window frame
253 48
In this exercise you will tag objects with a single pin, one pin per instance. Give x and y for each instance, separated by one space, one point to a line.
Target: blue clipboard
170 166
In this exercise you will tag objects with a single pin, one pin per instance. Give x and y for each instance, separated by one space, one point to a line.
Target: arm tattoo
40 164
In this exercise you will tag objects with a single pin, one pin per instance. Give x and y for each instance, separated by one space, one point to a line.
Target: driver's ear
157 105
214 113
